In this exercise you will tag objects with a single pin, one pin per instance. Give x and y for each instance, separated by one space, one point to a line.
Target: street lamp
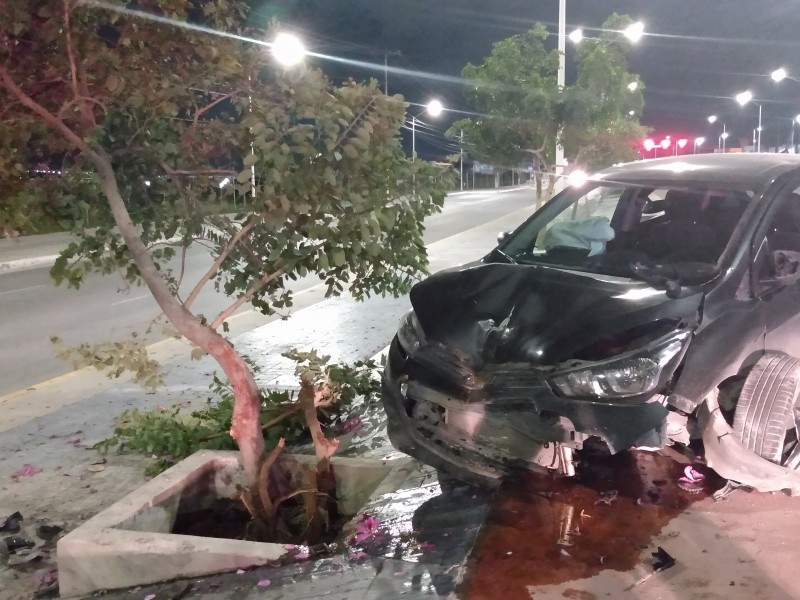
634 31
633 86
744 98
721 139
434 108
287 49
779 75
576 36
698 142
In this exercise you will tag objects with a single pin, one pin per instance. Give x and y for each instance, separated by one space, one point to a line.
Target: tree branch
200 112
267 278
49 118
223 254
357 119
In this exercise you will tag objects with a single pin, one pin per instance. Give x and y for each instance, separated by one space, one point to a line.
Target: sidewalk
55 435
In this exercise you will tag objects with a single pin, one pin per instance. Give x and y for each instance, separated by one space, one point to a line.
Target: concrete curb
23 264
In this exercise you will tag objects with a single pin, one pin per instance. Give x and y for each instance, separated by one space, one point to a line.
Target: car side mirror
786 266
501 237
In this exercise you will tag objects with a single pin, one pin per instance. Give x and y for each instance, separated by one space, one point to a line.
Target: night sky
697 55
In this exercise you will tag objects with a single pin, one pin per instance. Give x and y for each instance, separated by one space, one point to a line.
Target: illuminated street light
577 178
633 86
712 119
434 108
745 98
634 31
576 36
698 142
779 75
288 50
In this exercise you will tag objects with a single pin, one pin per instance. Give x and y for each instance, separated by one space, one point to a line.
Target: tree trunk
246 426
538 176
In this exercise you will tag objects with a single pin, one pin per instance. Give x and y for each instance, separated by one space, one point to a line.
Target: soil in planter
227 518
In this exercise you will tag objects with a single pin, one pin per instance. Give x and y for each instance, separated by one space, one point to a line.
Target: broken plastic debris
366 528
606 498
565 553
662 560
26 471
264 582
12 523
240 571
16 542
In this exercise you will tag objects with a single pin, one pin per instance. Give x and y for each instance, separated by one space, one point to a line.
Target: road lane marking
130 299
35 287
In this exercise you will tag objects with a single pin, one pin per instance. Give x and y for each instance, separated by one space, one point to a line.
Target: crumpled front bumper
479 427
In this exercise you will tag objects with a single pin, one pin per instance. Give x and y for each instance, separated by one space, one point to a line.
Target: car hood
540 315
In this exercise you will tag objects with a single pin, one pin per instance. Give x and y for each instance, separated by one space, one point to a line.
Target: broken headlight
630 374
409 333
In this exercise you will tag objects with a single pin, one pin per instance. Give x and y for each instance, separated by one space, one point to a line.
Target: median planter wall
130 543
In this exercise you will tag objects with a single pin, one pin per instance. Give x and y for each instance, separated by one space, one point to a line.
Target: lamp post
745 98
633 32
698 142
721 138
434 109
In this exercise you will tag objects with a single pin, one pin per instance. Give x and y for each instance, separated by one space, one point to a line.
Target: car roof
746 171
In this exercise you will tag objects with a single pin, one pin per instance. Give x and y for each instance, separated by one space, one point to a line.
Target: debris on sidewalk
662 560
728 489
11 524
692 480
607 498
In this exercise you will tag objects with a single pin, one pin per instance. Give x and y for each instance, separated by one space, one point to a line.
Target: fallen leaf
264 582
96 468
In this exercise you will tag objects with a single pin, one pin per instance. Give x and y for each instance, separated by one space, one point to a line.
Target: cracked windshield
393 300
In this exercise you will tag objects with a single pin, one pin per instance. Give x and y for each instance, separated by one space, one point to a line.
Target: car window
783 233
605 228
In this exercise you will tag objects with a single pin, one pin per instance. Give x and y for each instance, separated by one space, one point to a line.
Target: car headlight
631 374
409 333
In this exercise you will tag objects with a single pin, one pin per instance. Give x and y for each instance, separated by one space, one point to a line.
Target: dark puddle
543 531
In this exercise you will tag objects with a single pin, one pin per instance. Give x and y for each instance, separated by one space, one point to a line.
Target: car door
780 294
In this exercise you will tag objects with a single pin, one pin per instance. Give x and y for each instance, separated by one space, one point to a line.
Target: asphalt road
32 309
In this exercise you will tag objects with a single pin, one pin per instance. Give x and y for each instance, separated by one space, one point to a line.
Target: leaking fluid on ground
543 531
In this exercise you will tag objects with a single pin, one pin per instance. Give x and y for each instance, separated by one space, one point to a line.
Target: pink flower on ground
25 471
264 582
352 424
366 528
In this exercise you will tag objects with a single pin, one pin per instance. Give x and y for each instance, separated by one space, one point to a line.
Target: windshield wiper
650 275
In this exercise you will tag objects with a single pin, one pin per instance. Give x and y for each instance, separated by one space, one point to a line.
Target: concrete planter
130 543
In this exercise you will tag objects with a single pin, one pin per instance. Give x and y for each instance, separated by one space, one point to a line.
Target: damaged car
657 302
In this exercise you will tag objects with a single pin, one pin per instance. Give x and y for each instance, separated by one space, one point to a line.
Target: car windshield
625 230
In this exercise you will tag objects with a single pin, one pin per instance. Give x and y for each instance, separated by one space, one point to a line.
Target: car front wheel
765 420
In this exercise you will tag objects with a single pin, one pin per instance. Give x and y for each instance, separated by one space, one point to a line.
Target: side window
783 233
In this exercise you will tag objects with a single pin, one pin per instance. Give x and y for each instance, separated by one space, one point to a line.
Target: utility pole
386 73
461 161
562 81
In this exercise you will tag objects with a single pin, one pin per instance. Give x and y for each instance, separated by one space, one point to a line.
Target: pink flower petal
26 471
240 571
358 555
264 582
301 556
149 597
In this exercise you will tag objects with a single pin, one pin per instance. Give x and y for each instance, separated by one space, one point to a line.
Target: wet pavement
543 531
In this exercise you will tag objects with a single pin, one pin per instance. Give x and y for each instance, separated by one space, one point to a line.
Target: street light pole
461 161
413 137
562 79
759 128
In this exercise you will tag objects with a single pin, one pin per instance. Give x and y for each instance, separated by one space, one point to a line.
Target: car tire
765 410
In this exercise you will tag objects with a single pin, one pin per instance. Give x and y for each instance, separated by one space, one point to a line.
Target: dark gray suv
655 303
